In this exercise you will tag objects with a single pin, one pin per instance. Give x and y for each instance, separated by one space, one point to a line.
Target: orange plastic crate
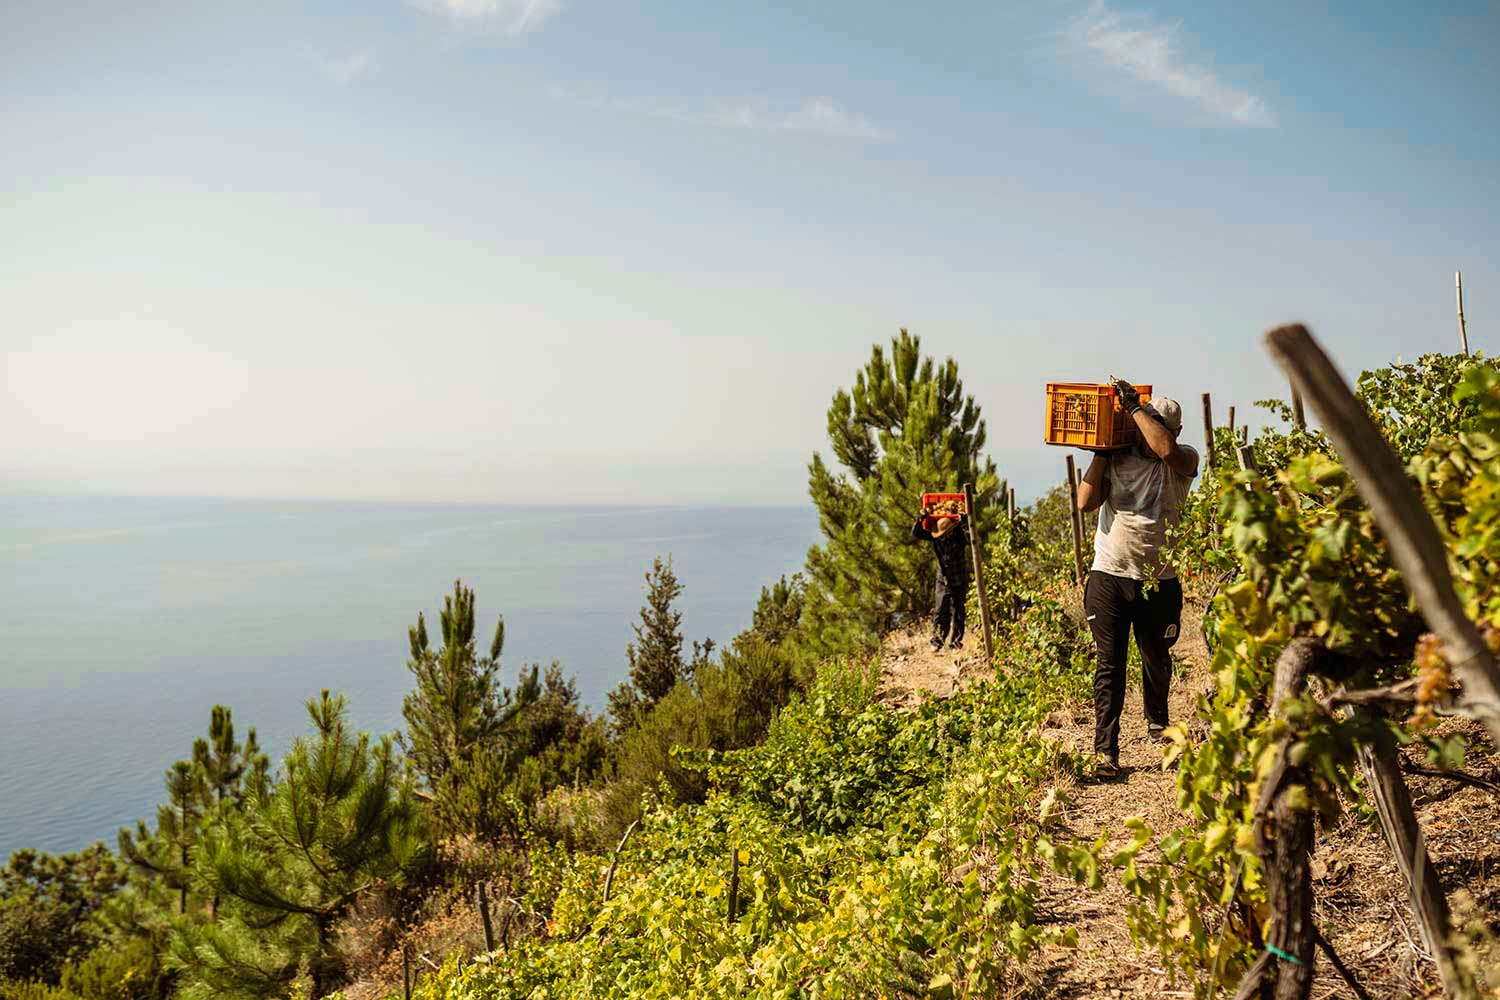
927 498
1087 415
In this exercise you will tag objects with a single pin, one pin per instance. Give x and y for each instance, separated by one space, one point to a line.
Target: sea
126 619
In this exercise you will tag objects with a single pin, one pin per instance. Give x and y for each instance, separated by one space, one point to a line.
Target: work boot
1157 734
1106 767
937 643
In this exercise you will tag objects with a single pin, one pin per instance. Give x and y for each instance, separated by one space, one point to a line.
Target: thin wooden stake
976 548
507 913
1231 423
1010 502
1298 417
609 879
734 883
1463 331
406 971
1208 432
484 915
1415 545
1077 520
1245 434
1404 835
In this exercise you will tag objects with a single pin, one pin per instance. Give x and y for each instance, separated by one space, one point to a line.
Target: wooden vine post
609 879
734 883
1418 552
1415 546
508 910
1402 832
484 916
1077 521
1284 839
1463 331
1010 504
1299 417
1231 423
1208 432
976 547
406 971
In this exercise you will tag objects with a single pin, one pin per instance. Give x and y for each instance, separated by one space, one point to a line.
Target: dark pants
1114 606
949 599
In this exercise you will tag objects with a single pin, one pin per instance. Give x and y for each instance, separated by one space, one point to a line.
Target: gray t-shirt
1145 496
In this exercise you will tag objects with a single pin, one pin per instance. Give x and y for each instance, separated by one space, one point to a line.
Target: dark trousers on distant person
948 598
1115 606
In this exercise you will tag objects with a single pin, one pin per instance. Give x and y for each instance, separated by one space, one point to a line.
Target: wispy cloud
508 17
1149 53
347 69
818 115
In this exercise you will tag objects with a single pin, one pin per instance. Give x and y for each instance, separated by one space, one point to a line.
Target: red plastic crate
1087 415
927 498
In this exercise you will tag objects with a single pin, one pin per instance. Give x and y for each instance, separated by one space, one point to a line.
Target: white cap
1170 412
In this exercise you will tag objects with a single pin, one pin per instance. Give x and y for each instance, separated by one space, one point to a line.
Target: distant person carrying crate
949 536
1141 490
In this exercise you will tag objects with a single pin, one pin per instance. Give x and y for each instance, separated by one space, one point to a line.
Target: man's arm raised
1154 432
1161 441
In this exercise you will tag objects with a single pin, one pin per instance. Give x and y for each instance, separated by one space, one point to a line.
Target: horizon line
366 501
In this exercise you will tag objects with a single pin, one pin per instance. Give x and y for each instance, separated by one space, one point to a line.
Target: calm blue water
125 620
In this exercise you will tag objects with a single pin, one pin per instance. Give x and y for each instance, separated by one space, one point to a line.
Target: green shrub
11 989
729 707
117 972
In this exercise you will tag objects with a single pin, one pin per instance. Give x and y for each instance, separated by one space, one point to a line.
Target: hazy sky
474 249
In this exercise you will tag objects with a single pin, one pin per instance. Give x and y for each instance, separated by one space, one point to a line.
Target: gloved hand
1130 400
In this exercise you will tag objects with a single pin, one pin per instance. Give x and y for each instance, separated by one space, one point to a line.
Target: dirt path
1105 964
912 670
1360 898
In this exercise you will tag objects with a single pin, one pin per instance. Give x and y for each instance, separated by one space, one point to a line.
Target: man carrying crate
1141 490
949 536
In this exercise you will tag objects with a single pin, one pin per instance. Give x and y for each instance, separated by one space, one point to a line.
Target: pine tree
655 658
905 428
229 770
215 779
778 612
224 763
164 853
549 741
457 705
339 819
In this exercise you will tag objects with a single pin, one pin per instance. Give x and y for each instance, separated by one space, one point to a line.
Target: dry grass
910 669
